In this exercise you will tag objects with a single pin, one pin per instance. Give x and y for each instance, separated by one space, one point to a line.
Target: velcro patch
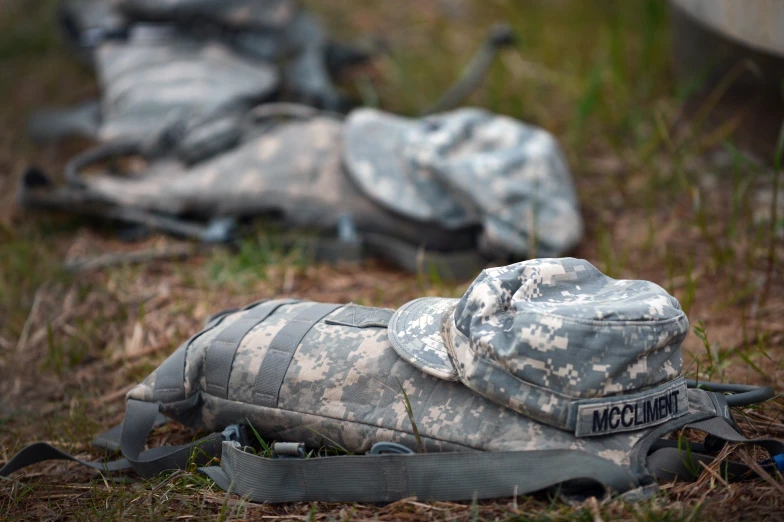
360 316
624 413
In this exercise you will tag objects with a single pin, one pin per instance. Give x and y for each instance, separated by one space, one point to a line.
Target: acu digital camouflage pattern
150 82
549 338
274 31
469 167
288 161
343 386
290 168
161 62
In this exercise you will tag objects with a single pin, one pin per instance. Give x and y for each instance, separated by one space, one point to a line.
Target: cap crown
539 334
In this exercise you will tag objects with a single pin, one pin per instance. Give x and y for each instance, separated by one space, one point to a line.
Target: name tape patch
615 415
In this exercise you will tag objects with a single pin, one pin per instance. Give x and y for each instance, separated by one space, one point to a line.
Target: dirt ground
666 192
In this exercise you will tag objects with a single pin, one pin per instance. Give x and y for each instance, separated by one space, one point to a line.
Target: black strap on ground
679 462
668 464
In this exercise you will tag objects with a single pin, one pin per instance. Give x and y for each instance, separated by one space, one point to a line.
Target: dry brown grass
664 200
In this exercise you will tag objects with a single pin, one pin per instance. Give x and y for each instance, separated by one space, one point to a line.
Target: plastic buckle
235 433
389 448
347 229
219 230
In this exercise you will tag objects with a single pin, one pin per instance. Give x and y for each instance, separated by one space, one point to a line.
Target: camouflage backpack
544 374
161 62
446 192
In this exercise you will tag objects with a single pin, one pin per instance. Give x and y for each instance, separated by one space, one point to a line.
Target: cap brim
415 333
371 153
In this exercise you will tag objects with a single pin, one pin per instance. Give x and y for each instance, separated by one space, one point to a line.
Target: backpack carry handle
500 37
106 151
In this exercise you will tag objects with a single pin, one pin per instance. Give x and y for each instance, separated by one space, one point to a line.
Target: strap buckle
235 433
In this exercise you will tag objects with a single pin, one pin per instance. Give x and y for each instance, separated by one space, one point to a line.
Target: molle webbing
220 355
281 351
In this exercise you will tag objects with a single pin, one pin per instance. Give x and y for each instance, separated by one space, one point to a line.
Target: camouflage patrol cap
557 341
468 167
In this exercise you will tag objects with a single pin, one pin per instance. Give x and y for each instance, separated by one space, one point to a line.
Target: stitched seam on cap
620 322
613 323
494 364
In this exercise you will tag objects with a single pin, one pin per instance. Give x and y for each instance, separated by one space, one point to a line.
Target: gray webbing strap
386 478
97 154
220 354
500 36
81 120
170 375
110 439
140 417
41 451
281 350
137 425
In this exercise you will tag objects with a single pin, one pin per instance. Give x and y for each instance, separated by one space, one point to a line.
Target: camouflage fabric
465 167
157 78
275 31
175 61
332 375
290 168
344 385
289 161
558 341
318 375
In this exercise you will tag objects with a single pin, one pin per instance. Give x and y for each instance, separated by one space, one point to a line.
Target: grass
667 194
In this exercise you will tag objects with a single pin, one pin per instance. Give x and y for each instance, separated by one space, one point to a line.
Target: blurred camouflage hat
468 167
558 341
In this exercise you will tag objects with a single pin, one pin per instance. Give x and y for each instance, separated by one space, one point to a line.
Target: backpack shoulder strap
391 477
140 418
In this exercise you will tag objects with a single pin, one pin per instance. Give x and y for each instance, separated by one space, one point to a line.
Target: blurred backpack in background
159 62
189 86
449 192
